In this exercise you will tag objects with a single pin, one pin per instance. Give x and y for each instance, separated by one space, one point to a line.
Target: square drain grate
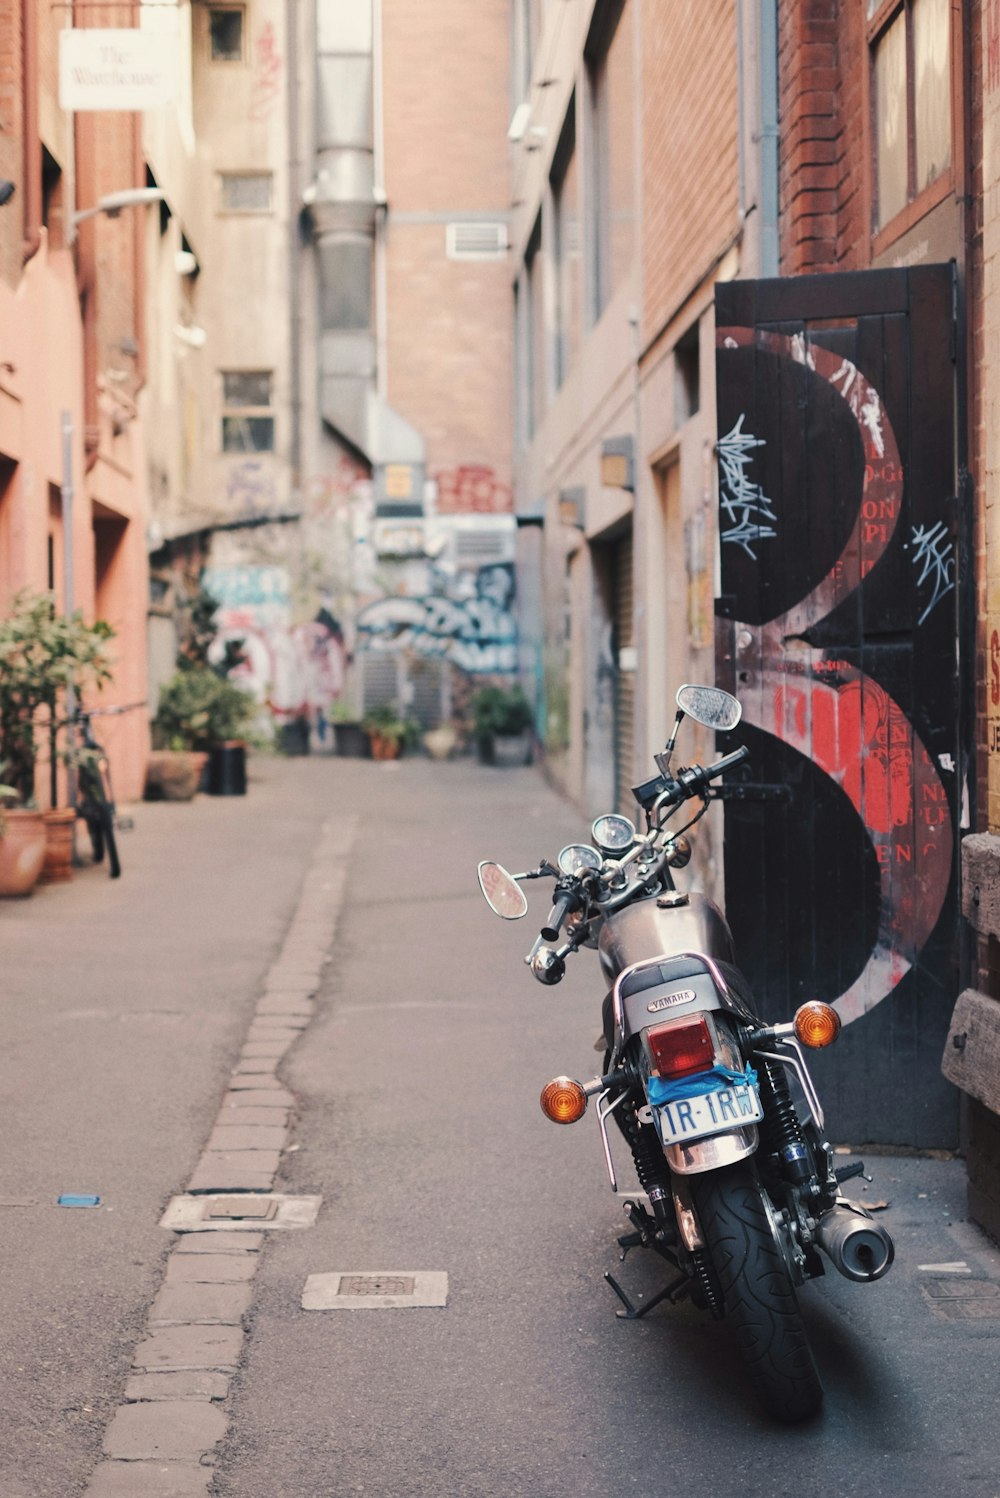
963 1299
377 1284
381 1289
248 1211
243 1208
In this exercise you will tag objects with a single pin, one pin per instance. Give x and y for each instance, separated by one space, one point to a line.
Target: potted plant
390 733
199 713
502 718
42 652
349 737
441 741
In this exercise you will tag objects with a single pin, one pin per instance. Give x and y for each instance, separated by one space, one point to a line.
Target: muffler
856 1245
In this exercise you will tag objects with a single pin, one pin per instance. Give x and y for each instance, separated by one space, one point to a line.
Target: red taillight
681 1048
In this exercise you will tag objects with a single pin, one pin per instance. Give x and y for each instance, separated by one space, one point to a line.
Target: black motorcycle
738 1187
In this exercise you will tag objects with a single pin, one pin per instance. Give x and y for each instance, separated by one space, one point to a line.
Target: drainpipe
32 136
294 247
139 258
770 259
378 171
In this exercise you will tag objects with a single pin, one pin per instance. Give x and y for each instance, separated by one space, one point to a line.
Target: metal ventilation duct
344 217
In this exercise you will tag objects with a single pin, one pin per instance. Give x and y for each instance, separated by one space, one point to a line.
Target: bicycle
94 800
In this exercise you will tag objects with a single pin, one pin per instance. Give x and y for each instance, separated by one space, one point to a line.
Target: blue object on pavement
70 1199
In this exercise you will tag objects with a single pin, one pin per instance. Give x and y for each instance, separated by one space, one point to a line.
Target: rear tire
757 1291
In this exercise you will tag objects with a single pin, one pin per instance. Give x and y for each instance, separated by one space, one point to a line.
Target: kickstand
636 1313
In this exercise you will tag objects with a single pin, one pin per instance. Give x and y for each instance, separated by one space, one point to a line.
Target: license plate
709 1113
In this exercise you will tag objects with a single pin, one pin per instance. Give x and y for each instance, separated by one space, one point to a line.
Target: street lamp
113 202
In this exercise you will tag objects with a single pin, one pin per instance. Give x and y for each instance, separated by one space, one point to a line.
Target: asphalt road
124 1007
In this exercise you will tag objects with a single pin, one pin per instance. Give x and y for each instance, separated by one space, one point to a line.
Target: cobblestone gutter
161 1441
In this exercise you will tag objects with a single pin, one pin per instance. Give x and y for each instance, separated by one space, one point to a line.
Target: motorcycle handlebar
728 762
560 910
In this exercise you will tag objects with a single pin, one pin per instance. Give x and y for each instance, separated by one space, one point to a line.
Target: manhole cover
376 1284
240 1208
962 1289
378 1290
967 1310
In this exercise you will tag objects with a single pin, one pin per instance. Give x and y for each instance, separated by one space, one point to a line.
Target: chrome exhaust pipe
856 1245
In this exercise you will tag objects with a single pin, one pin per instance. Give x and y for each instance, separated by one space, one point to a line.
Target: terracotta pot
58 865
174 774
384 748
22 851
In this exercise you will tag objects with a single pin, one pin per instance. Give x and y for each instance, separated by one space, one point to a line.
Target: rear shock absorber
650 1166
782 1129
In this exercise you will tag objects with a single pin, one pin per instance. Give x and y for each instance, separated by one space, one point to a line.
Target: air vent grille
476 241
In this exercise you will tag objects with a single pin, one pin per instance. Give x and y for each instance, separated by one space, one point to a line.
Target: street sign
116 69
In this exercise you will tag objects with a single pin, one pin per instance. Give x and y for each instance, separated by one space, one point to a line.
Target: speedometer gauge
579 858
613 834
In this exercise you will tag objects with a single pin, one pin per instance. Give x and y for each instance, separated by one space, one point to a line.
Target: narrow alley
414 1119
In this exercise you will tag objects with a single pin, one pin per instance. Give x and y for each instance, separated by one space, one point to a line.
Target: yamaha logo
668 1000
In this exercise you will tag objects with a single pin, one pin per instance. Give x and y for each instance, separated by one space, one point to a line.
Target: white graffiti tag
934 554
863 401
747 509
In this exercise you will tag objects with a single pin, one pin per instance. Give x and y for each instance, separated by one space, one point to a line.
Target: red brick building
770 143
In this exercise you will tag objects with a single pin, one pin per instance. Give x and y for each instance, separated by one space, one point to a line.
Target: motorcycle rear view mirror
709 705
502 893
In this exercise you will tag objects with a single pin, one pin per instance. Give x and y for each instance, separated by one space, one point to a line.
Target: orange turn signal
563 1100
816 1025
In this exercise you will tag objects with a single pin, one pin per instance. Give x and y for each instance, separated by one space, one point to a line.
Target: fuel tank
650 927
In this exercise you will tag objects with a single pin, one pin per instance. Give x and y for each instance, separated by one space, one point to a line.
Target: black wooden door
837 628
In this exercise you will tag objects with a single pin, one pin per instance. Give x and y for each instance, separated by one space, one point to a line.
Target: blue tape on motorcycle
659 1090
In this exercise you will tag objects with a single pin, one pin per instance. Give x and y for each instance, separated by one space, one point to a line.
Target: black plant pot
351 740
293 737
227 770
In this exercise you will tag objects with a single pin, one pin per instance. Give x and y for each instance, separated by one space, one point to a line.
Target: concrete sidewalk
125 1007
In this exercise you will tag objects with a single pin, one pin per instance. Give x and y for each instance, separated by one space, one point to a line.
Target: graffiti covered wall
838 632
467 620
293 668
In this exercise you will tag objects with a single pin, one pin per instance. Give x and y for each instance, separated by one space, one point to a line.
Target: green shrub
198 709
500 710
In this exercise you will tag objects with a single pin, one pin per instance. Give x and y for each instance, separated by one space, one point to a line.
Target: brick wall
447 104
821 51
11 140
446 160
690 150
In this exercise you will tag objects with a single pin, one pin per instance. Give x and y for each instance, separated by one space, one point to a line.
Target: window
247 418
225 35
245 192
911 103
567 248
687 376
612 174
